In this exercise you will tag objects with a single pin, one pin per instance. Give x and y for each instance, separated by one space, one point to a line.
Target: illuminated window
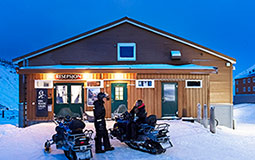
119 93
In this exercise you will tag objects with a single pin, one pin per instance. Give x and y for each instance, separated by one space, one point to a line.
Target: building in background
245 87
129 60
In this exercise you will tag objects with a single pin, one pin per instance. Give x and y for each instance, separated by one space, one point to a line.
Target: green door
118 95
169 99
69 99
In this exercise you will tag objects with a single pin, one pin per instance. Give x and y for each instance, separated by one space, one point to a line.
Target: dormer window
126 51
176 55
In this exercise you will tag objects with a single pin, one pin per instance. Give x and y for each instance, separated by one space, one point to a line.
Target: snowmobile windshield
119 111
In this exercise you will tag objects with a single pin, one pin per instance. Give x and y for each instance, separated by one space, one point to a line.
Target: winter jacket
99 110
141 113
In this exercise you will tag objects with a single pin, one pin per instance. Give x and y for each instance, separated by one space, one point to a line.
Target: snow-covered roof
117 23
246 73
132 66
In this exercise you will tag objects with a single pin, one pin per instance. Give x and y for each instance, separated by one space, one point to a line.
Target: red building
245 88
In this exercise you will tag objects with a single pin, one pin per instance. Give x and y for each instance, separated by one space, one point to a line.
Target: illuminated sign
68 76
95 84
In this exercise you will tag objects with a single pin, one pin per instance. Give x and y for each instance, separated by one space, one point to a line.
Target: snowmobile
75 146
151 137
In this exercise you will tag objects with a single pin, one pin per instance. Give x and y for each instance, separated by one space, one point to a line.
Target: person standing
100 125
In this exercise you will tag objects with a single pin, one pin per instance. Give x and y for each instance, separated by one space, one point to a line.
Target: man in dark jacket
138 112
100 125
138 116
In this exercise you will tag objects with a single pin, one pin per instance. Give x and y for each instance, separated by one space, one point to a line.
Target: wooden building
128 60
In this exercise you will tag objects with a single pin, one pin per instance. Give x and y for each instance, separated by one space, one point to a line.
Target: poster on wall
92 95
41 103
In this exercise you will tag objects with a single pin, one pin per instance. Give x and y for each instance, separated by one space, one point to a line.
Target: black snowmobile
75 146
151 137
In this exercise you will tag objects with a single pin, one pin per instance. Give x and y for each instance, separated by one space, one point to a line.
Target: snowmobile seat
151 120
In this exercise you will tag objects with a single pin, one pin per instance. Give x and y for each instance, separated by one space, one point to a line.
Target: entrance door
69 99
118 95
169 99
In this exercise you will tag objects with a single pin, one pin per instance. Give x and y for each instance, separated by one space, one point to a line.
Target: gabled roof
119 22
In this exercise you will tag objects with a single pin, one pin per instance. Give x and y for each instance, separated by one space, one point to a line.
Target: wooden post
199 113
21 115
205 119
212 120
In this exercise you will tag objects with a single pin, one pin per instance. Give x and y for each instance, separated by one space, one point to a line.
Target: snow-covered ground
8 94
191 141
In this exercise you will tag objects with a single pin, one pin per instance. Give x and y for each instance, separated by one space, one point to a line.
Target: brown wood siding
188 98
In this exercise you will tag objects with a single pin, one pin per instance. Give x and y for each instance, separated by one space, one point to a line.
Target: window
249 80
236 81
253 79
244 80
119 93
249 89
244 89
43 84
76 96
144 83
61 94
193 83
126 51
253 89
236 90
175 54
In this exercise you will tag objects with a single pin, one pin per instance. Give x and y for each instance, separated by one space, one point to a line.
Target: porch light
87 76
50 76
119 76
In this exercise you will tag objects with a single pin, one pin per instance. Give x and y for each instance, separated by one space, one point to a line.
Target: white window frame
152 83
42 82
126 58
101 84
193 80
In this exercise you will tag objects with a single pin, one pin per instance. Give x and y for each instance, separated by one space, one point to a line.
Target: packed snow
191 141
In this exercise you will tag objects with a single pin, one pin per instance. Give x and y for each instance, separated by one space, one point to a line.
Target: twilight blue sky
227 26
